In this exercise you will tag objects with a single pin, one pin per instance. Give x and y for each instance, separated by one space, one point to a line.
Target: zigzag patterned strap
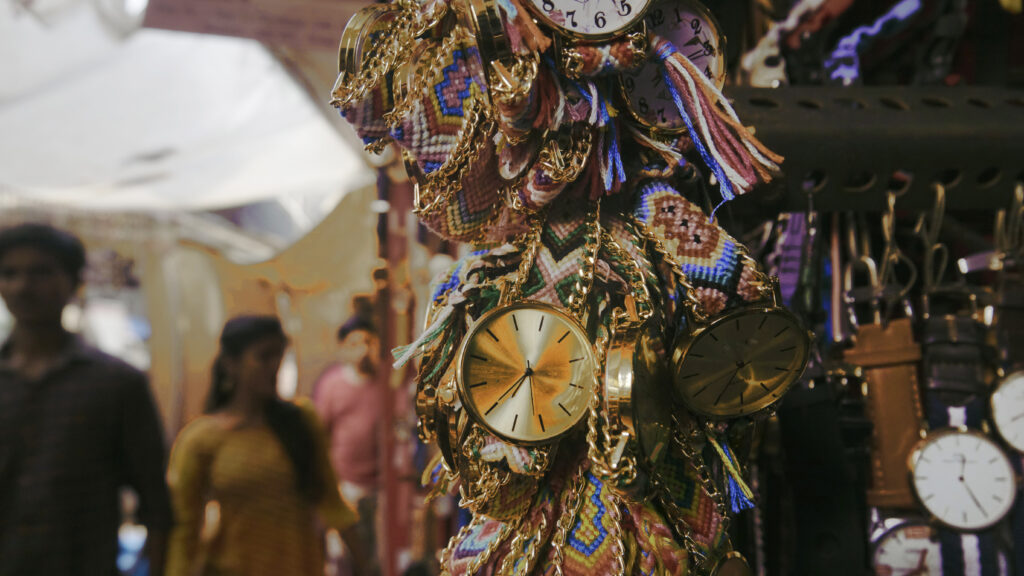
712 260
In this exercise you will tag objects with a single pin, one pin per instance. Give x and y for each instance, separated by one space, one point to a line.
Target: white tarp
159 120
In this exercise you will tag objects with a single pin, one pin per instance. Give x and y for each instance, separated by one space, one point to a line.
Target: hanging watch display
1007 408
692 29
912 548
740 363
526 372
589 19
963 479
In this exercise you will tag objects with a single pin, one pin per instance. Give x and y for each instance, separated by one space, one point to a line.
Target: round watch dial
1008 410
963 479
590 19
695 34
911 549
742 363
526 372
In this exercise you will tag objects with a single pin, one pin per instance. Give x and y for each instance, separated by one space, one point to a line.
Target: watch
741 362
693 30
963 479
1007 410
361 31
526 372
590 20
911 547
637 401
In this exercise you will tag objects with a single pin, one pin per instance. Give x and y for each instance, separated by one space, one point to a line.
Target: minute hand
514 387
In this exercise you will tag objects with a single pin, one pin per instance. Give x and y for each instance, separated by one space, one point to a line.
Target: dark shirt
68 443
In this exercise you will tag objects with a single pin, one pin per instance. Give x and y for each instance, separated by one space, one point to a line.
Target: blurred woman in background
251 478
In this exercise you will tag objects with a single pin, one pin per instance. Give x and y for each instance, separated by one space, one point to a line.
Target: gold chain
516 551
696 307
383 56
511 87
483 556
417 83
571 502
636 279
673 511
439 186
578 301
566 166
615 514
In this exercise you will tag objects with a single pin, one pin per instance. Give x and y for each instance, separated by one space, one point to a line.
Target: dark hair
355 324
284 418
64 246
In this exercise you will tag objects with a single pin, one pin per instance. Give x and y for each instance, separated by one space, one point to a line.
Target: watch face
910 550
694 33
526 372
590 19
741 364
963 479
1008 410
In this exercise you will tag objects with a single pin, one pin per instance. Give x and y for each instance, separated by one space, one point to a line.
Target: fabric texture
264 526
68 442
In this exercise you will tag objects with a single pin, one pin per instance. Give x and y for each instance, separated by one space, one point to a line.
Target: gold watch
526 372
636 397
636 400
739 363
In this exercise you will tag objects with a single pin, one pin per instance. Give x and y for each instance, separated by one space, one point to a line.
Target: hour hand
514 387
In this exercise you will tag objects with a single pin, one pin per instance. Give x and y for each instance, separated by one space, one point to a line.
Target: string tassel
741 497
735 157
403 354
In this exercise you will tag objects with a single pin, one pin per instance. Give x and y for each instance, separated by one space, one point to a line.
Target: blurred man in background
351 407
76 425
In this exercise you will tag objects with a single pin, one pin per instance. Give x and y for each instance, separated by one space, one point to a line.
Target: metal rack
848 147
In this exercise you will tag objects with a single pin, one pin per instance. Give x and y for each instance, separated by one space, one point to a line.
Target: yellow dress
265 527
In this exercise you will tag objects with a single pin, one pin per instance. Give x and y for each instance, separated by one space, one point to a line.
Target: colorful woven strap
710 258
432 128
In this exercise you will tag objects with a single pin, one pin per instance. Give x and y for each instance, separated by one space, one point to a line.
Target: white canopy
157 121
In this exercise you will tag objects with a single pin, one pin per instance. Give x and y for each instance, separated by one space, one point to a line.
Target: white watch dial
963 479
1008 410
909 550
694 33
590 19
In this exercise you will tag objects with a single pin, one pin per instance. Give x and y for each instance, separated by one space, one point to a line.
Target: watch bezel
1015 375
933 436
355 34
474 331
681 348
484 20
624 387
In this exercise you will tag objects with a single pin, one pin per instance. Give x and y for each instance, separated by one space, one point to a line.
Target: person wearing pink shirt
350 406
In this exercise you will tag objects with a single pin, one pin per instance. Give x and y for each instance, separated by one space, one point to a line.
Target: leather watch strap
889 356
958 370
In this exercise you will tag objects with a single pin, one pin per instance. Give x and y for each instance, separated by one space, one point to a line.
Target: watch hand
533 400
975 498
727 385
963 466
514 387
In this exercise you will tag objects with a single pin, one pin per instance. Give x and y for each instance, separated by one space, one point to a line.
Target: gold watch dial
742 363
526 372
